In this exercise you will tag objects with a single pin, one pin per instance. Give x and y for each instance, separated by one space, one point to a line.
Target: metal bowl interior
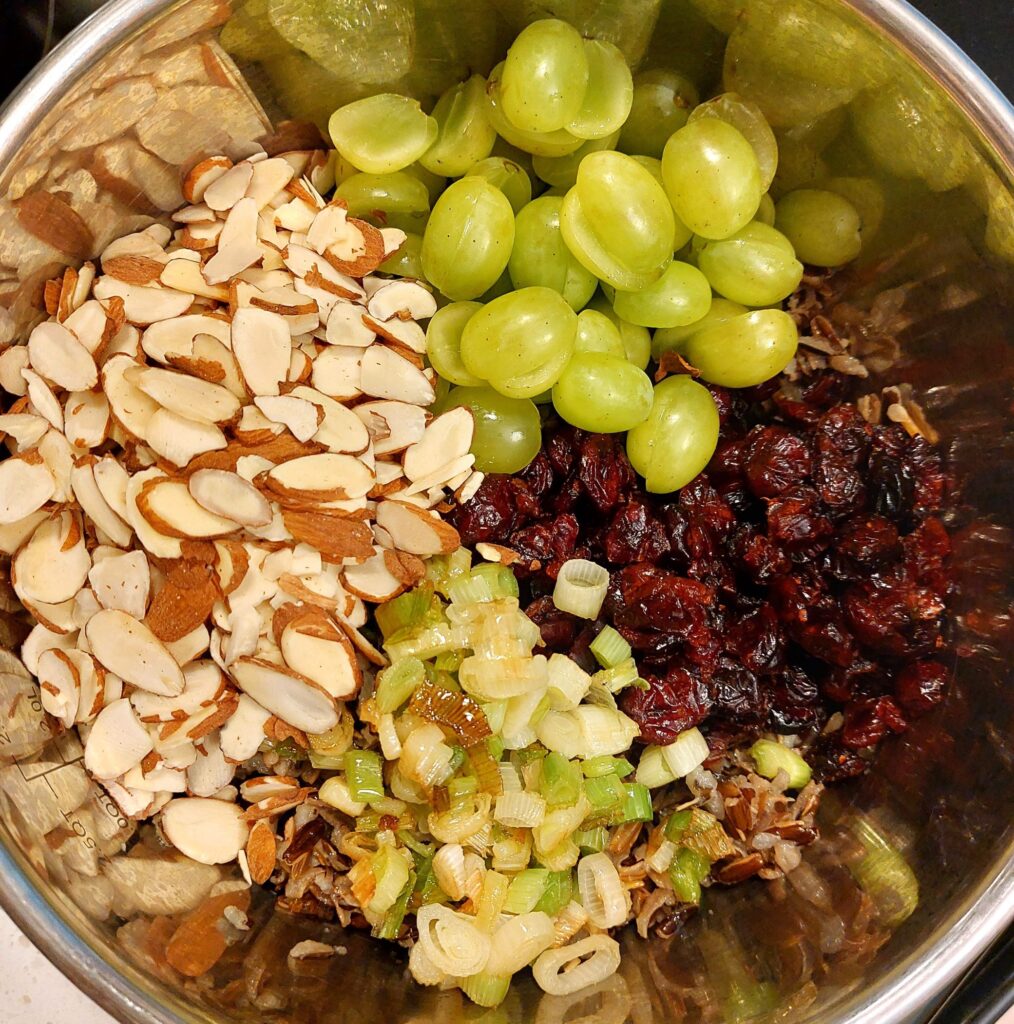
166 80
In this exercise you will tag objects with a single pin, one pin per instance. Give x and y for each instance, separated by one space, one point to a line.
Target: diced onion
568 683
686 753
561 731
520 810
425 757
604 957
451 941
653 769
581 588
449 869
390 745
335 793
460 822
605 731
561 857
602 891
517 942
499 678
422 968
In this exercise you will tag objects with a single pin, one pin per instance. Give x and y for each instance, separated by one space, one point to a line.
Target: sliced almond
133 269
261 343
182 603
57 355
261 852
169 508
243 734
26 484
406 300
128 648
224 493
404 333
292 697
157 543
204 685
208 831
237 244
122 582
157 780
302 418
58 455
42 399
415 530
112 479
210 772
403 424
318 273
91 325
357 251
24 427
89 497
269 180
13 360
60 686
447 438
190 647
186 275
345 326
86 419
116 742
180 439
372 580
142 305
337 372
212 361
317 649
13 535
227 189
132 408
184 395
176 337
203 174
320 477
336 536
53 566
96 690
340 430
385 374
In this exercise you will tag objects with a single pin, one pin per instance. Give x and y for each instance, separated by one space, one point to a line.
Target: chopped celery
687 752
677 825
417 846
396 684
484 989
448 661
592 840
561 780
618 676
501 579
636 803
558 892
606 765
457 757
324 761
391 872
368 821
604 793
686 872
700 831
609 648
390 926
364 773
491 899
495 746
772 757
442 570
526 890
470 588
462 786
425 641
427 889
884 875
406 611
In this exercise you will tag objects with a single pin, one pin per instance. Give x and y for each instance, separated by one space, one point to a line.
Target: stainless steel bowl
92 146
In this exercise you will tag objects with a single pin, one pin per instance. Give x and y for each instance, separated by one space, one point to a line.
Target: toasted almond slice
261 343
243 734
86 419
184 395
264 787
158 780
415 530
94 506
336 536
237 244
212 361
185 275
261 851
466 491
284 300
42 399
208 831
337 372
190 647
112 479
322 477
358 251
447 438
345 326
317 649
116 742
385 374
196 213
57 355
292 697
142 305
24 427
255 428
404 333
95 690
43 639
157 543
394 239
176 337
85 606
341 430
442 477
224 493
13 535
180 439
331 227
210 772
406 300
203 174
91 325
53 566
122 582
13 360
295 215
303 418
229 188
133 269
318 273
59 458
372 580
403 424
60 686
269 179
132 408
204 685
170 509
26 484
128 648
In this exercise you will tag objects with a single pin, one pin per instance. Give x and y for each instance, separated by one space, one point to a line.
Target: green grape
823 227
561 171
661 104
757 266
723 14
443 342
396 200
545 76
799 165
382 133
602 392
508 176
712 177
636 340
866 195
407 260
609 93
540 256
680 296
674 339
508 432
434 183
766 210
597 333
501 286
748 119
558 143
510 152
679 436
468 238
745 350
683 234
618 222
520 342
464 132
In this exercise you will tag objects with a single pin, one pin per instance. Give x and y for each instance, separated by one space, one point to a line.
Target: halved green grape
397 200
618 222
823 227
608 95
407 260
712 177
508 432
510 177
558 143
561 171
748 119
636 340
540 256
602 392
597 333
679 436
674 339
443 342
757 266
680 296
545 76
661 104
520 342
766 210
468 238
866 195
464 132
745 350
382 133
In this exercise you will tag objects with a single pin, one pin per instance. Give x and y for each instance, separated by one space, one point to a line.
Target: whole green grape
520 342
636 340
683 234
508 431
749 120
597 333
540 256
766 210
556 143
745 350
680 296
618 222
712 177
468 238
757 266
603 393
561 171
396 200
608 95
867 195
823 227
443 342
674 339
407 260
679 436
510 177
545 76
435 183
464 134
661 104
382 133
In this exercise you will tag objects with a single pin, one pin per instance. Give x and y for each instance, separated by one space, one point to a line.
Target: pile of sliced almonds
220 451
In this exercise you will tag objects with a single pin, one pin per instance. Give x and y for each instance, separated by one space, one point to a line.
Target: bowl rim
903 994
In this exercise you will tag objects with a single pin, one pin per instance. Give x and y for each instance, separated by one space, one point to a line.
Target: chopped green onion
484 989
561 780
495 746
605 765
368 821
699 831
441 570
470 588
561 857
417 846
396 684
604 793
426 641
427 888
364 773
500 578
519 809
636 803
325 762
558 892
609 647
568 683
462 786
405 611
391 873
393 919
335 793
619 676
653 769
772 757
448 661
512 848
686 873
457 757
884 875
592 840
581 588
526 890
688 751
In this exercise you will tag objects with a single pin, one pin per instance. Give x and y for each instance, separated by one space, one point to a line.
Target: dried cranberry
757 640
707 516
728 462
927 548
605 471
880 616
547 541
671 704
831 762
843 432
869 544
736 694
868 721
890 486
558 629
824 635
839 484
796 522
499 506
635 535
861 678
568 495
644 596
562 447
757 556
538 475
920 686
776 461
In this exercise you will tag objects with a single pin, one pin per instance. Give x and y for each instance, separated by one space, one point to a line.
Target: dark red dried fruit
676 702
920 686
868 721
636 534
796 523
776 461
605 471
